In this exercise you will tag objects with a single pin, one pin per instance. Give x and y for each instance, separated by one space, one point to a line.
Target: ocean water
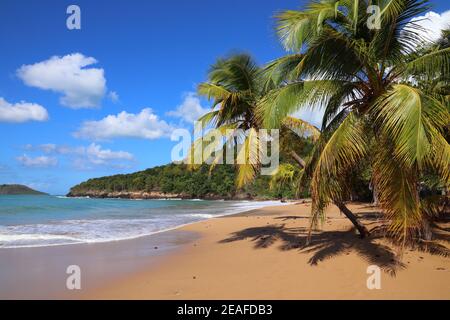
34 221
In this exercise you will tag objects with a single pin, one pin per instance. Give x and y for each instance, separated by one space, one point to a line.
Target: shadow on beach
325 245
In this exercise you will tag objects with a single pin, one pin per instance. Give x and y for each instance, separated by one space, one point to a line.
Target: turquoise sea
34 221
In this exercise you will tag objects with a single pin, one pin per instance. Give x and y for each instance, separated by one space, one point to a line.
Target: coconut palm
365 77
235 86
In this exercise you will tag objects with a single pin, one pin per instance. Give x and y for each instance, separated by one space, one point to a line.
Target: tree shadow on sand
325 245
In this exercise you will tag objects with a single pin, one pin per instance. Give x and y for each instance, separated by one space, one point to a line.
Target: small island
18 189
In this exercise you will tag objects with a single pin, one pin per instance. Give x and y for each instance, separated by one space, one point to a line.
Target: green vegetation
177 179
17 189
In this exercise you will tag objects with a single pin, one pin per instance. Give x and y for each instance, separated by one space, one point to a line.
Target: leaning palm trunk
363 232
298 159
375 201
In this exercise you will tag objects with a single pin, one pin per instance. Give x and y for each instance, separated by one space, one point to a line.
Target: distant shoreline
156 195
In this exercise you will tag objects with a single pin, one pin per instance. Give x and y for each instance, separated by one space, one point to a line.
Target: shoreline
154 247
240 210
157 195
198 261
41 272
274 263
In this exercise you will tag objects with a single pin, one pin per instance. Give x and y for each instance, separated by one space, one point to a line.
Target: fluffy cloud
21 112
81 87
81 157
145 124
94 155
433 23
190 109
97 155
37 162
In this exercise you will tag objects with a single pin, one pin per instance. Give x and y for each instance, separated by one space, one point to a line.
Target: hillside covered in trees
176 181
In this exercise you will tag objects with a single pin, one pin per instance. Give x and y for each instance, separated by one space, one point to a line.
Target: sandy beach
261 254
151 151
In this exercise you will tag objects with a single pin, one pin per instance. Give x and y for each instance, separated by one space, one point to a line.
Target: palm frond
412 120
209 118
341 151
286 175
294 28
397 194
282 102
301 127
278 71
248 159
433 64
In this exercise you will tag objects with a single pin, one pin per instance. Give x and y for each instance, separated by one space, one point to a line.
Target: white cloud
97 155
190 109
21 112
81 87
37 162
113 96
51 148
145 124
48 148
81 157
434 23
94 155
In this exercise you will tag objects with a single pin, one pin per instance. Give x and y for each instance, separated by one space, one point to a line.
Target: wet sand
262 255
40 273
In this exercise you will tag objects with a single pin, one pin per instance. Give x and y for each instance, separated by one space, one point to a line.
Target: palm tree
366 80
235 85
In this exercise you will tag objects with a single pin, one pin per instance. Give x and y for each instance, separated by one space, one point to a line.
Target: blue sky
114 90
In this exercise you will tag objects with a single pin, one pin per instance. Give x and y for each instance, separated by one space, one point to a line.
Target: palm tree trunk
363 232
374 194
375 197
299 160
